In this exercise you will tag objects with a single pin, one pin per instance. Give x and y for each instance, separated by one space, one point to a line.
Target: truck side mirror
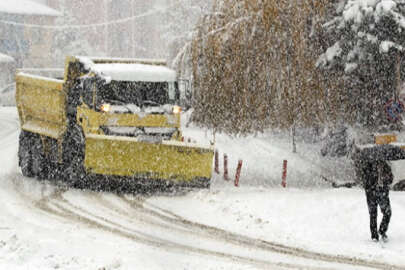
73 98
86 92
186 95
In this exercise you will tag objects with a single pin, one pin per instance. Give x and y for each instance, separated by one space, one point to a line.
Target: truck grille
143 133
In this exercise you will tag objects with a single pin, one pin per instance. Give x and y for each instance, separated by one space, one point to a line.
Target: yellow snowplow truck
108 121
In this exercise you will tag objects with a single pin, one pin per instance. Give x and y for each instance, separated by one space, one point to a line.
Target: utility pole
106 27
133 29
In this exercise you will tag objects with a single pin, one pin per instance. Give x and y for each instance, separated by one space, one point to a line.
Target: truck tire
39 161
73 157
25 154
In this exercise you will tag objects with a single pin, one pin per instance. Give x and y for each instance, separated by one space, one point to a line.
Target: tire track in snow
139 215
213 232
55 204
261 244
52 204
82 216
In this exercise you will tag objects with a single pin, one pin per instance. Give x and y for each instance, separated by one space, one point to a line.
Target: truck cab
137 100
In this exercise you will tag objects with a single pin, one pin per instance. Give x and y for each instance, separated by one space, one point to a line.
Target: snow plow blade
180 162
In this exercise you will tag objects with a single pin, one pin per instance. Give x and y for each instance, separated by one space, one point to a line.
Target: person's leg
385 206
372 210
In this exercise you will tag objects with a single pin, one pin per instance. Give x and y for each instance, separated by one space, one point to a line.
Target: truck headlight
105 107
176 109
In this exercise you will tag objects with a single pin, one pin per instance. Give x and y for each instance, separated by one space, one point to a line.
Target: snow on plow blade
167 160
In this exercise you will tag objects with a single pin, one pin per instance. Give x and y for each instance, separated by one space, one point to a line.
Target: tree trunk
294 145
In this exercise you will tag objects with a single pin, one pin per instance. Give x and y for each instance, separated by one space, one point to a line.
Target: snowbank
263 155
6 58
26 7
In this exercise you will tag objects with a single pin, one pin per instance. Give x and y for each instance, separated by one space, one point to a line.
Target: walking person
377 177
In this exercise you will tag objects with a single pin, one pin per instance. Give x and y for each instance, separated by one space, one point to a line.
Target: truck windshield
139 93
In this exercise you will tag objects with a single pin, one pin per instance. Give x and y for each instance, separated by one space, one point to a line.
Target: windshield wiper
150 102
119 102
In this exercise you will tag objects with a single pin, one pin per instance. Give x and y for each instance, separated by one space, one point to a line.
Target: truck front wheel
73 157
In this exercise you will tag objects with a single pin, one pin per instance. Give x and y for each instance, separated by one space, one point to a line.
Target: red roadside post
238 173
226 177
216 169
284 177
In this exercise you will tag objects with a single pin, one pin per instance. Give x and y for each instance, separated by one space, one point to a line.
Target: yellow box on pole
385 138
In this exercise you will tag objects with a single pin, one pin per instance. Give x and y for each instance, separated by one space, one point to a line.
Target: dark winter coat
377 175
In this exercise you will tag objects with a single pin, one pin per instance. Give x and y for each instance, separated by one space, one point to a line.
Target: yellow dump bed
41 104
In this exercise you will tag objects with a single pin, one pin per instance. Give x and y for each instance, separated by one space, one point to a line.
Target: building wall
40 42
28 46
12 40
139 37
7 71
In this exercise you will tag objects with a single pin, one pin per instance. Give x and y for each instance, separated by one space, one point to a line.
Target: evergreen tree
367 51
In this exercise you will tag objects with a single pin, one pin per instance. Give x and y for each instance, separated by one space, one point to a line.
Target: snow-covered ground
259 225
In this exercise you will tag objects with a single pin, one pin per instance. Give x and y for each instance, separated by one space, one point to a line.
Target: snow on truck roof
26 7
135 72
106 60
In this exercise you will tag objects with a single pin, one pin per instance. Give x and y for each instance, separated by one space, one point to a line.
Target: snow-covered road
45 225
